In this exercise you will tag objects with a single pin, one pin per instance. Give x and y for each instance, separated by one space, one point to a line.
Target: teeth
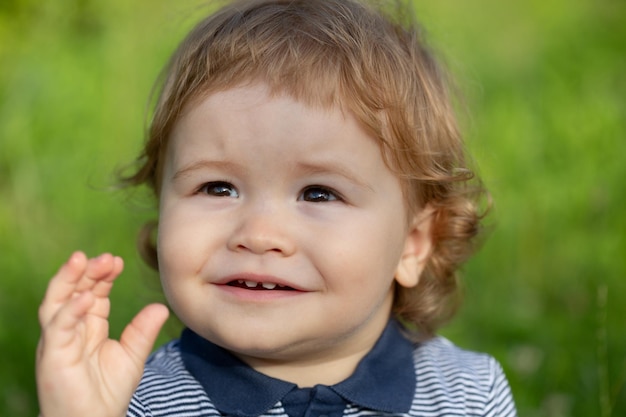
255 284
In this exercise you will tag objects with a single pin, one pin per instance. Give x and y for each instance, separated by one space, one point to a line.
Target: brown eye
219 189
317 194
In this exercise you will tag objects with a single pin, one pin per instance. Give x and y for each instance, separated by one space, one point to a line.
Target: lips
258 285
259 282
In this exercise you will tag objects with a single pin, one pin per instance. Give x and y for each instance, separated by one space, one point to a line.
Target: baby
314 207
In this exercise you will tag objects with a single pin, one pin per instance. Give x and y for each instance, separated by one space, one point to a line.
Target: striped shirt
443 380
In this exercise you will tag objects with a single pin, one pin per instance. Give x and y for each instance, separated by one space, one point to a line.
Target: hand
80 371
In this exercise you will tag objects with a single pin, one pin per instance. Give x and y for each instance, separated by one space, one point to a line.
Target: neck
308 373
325 365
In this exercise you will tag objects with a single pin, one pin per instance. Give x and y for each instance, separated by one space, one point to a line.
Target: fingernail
103 256
75 257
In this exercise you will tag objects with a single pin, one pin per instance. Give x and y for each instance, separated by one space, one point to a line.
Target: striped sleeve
499 400
167 389
455 382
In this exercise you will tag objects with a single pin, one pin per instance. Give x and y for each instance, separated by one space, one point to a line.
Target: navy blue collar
384 380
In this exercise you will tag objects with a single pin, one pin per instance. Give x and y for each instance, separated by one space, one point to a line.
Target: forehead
258 116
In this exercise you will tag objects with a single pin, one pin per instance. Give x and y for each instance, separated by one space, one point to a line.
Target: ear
417 247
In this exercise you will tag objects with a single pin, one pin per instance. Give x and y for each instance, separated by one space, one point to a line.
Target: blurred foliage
545 92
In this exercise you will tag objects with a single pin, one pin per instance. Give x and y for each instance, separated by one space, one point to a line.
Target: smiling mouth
258 286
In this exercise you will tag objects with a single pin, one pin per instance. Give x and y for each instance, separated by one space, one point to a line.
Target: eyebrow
203 164
333 168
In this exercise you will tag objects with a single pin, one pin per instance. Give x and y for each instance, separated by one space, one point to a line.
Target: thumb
141 333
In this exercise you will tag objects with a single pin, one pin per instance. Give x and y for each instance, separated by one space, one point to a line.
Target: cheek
363 257
178 251
176 242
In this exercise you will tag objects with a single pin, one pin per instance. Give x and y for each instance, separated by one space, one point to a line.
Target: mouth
258 286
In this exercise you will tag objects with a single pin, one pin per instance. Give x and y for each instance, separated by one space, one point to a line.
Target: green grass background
545 87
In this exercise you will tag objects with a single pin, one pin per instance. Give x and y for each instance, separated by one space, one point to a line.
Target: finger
61 330
100 271
139 336
102 286
98 279
62 286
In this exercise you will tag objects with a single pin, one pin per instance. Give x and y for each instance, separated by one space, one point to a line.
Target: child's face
294 201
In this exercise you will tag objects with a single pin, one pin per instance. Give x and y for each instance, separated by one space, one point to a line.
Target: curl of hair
371 61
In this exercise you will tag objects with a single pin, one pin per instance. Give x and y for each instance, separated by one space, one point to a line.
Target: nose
261 230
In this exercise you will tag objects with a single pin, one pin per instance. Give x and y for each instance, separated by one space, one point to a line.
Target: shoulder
440 357
168 389
450 379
